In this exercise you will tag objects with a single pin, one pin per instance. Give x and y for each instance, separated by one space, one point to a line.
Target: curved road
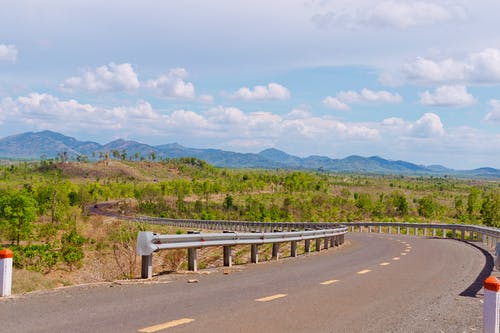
374 283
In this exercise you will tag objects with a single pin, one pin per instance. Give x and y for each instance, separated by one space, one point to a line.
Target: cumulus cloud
335 103
427 126
477 68
173 84
369 96
273 91
448 96
107 78
8 53
45 111
494 114
344 98
390 14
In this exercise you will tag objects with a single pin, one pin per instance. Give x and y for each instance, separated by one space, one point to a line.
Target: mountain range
48 144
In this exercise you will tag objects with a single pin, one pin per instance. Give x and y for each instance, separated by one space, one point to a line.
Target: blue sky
411 80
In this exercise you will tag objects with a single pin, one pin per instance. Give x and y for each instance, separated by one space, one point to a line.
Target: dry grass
25 281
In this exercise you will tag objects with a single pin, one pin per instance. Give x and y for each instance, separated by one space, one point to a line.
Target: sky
405 80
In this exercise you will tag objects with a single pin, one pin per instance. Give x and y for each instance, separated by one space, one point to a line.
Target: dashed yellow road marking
408 247
396 258
270 298
403 253
329 282
384 263
364 271
407 250
169 324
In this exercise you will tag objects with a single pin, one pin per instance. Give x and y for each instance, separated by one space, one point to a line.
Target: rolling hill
48 144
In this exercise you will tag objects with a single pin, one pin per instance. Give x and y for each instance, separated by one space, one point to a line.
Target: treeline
43 211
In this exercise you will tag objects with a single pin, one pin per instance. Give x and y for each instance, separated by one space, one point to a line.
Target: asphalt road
374 283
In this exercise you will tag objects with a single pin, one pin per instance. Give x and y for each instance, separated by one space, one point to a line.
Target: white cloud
448 96
107 78
369 96
390 14
173 84
273 91
8 53
477 68
493 115
209 99
344 98
401 14
427 126
335 103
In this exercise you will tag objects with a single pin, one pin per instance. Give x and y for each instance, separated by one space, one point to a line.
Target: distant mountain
33 145
47 144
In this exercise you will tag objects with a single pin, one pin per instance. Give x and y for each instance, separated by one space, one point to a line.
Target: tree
490 209
17 213
152 155
427 207
473 203
116 154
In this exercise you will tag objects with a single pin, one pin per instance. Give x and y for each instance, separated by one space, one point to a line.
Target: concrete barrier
5 272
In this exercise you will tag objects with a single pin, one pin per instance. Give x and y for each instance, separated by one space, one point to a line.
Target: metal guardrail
148 242
488 235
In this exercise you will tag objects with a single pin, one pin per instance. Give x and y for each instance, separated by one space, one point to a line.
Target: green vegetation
44 205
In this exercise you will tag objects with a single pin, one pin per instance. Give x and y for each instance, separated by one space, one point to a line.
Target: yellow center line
329 282
395 258
384 263
169 324
407 250
408 247
270 298
364 271
403 253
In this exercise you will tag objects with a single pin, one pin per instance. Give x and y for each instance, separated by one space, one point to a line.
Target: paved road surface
375 283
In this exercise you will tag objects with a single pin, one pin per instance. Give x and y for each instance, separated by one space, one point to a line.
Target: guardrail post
462 234
307 246
228 261
379 229
276 249
5 272
318 244
254 253
192 259
325 243
293 248
444 233
147 267
399 230
453 233
434 232
491 306
407 231
415 231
